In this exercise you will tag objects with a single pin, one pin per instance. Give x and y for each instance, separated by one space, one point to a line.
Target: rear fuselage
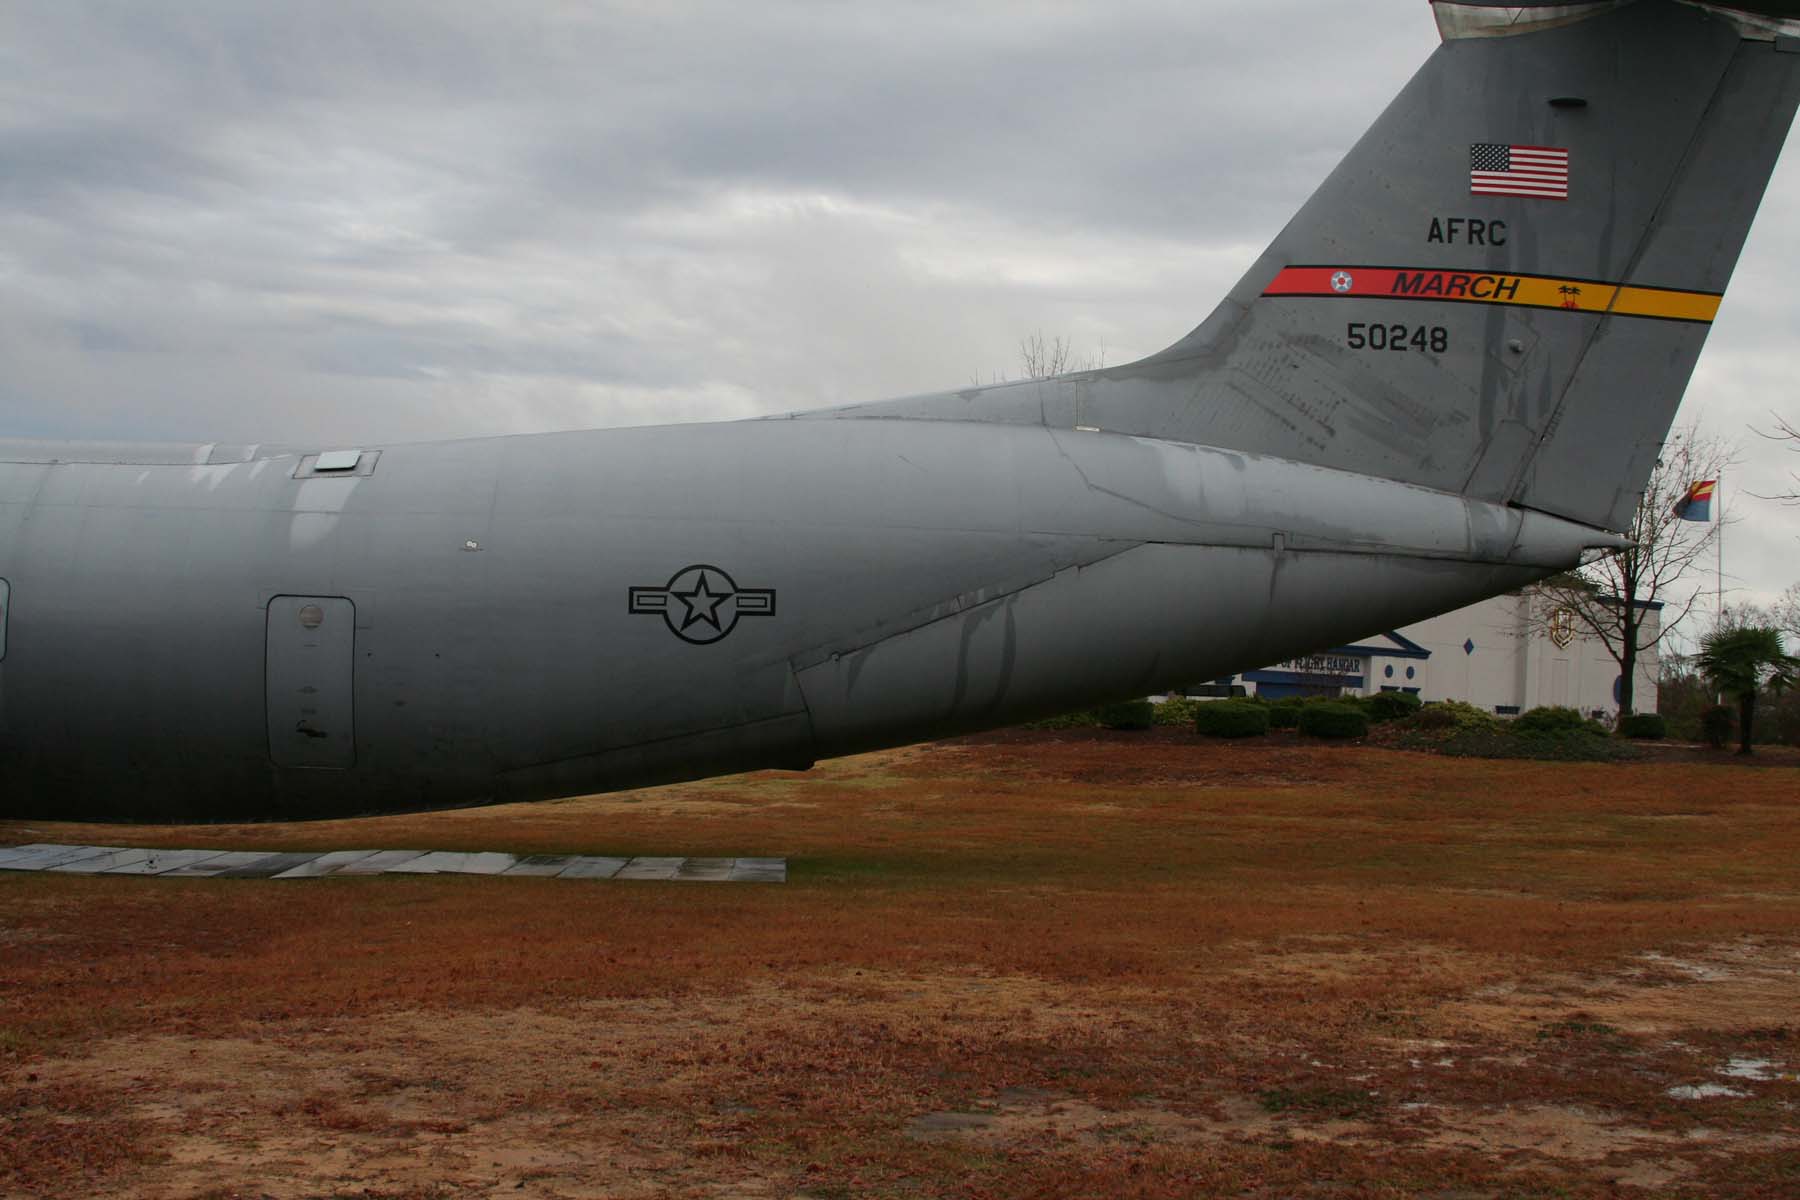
520 618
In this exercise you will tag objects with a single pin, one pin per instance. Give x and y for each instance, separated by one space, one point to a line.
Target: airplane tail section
1503 288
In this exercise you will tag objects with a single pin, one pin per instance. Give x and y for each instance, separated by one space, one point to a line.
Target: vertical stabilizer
1503 288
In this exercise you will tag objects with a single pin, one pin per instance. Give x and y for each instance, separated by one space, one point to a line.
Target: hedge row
1127 714
1350 717
1334 720
1644 725
1249 718
1232 719
1554 720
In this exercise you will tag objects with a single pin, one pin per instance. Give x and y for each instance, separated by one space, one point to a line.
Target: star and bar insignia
701 604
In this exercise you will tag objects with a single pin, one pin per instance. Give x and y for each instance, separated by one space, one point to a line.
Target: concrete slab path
270 864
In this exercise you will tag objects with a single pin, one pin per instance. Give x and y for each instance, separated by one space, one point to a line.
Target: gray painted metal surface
262 864
1522 400
1427 391
310 661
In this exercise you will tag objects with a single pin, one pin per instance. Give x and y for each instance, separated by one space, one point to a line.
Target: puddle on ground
1759 1069
1703 972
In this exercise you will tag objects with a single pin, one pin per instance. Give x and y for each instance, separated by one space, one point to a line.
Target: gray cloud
422 219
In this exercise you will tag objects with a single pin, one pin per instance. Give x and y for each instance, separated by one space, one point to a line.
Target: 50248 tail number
1397 337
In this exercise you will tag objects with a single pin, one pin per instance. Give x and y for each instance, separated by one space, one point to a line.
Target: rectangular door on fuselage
310 669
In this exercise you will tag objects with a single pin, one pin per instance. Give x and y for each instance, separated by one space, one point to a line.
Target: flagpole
1719 577
1719 545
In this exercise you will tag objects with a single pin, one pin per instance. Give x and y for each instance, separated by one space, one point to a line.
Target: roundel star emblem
1342 282
702 604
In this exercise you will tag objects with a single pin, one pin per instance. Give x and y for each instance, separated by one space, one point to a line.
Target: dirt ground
1037 964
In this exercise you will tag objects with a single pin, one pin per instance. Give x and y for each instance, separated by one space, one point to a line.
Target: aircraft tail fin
1504 287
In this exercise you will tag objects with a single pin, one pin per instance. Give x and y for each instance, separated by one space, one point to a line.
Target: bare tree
1042 359
1785 431
1747 615
1609 598
1787 611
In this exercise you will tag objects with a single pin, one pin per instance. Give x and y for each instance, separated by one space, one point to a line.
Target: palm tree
1743 660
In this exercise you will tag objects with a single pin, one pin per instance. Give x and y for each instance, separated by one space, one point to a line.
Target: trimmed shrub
1333 721
1644 725
1551 719
1500 742
1284 715
1391 706
1454 715
1177 710
1126 714
1717 724
1083 719
1231 719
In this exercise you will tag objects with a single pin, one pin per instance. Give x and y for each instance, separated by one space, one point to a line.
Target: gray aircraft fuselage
527 617
1450 375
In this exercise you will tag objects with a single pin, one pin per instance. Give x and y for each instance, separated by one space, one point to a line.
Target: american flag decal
1496 169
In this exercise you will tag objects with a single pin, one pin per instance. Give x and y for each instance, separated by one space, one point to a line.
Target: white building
1489 654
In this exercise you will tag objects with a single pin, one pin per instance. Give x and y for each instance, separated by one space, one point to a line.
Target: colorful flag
1501 170
1697 504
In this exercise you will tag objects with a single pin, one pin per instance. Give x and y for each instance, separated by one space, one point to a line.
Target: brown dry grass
1031 965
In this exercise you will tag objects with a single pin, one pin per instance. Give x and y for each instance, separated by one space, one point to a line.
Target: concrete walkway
264 864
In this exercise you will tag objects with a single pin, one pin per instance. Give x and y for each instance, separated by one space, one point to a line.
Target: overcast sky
356 222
